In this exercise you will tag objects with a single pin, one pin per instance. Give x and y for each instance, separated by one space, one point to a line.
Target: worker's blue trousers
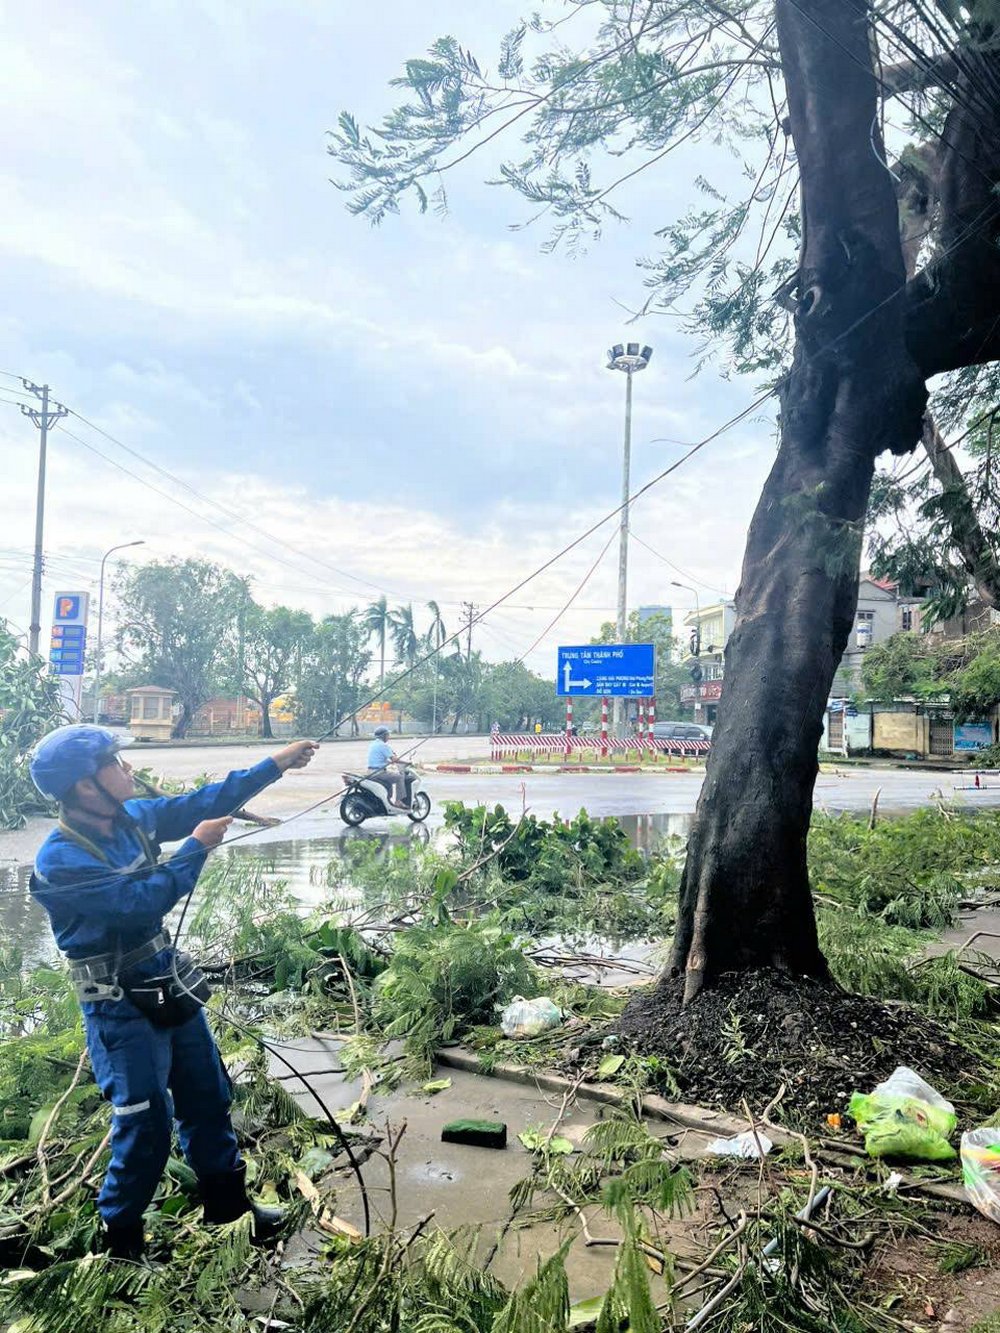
150 1076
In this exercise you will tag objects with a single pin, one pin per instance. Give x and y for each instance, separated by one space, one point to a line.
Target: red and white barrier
503 745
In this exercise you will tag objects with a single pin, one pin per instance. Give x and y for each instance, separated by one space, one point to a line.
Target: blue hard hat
381 732
68 754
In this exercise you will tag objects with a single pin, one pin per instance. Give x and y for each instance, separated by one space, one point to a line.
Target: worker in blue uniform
100 878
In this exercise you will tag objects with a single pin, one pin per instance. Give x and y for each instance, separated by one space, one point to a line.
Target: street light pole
629 359
697 610
100 625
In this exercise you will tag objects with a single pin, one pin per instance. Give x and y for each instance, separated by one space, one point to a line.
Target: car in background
681 731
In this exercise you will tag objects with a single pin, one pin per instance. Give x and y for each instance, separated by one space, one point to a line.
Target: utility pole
42 418
470 616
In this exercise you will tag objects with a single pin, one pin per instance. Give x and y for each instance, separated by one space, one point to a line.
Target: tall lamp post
628 358
100 624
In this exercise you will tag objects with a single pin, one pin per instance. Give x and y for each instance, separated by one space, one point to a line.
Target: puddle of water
21 919
301 863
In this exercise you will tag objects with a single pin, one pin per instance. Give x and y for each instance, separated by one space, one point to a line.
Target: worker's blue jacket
105 906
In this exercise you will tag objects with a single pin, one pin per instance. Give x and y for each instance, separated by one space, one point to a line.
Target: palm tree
376 621
437 633
404 636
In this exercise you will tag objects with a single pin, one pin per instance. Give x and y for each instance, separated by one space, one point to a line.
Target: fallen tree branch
53 1115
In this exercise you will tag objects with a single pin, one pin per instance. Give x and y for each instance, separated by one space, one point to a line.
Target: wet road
544 794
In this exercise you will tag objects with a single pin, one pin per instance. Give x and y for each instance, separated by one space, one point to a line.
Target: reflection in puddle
21 919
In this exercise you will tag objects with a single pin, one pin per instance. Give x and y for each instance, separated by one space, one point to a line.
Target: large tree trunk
853 391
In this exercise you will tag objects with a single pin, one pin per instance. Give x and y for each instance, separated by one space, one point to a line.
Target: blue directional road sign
625 670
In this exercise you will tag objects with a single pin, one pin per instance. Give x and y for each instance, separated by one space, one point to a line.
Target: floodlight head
628 357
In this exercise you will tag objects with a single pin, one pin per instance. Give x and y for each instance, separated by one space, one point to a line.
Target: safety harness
96 977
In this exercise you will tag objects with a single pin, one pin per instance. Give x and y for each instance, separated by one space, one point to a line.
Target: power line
201 517
573 596
232 513
676 568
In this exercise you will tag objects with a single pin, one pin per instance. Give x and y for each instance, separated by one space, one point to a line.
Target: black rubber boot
224 1198
125 1242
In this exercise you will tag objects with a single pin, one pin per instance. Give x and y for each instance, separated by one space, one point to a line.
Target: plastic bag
981 1170
747 1144
905 1117
529 1018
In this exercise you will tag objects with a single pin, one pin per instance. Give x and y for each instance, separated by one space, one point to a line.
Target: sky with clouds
420 409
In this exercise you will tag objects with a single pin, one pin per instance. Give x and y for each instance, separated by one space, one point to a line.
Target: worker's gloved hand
210 832
296 755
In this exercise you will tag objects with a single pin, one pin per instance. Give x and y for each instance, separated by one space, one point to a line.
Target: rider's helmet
67 755
381 733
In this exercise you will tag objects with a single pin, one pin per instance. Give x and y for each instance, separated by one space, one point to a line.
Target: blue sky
423 405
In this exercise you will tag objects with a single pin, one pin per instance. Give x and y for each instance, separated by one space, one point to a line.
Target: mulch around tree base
755 1031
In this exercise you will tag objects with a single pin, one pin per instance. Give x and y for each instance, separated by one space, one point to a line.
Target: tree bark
853 390
265 718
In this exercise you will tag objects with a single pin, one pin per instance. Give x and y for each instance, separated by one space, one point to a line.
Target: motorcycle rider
99 877
380 755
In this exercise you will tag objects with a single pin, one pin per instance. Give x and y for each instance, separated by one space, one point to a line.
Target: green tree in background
30 706
176 622
333 670
377 622
274 641
405 640
901 667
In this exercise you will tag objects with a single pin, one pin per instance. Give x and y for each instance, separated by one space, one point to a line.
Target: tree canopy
895 284
176 621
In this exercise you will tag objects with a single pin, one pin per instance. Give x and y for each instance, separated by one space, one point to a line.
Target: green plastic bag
905 1117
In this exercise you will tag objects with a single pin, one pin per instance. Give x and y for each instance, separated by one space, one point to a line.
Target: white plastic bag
981 1170
749 1144
529 1018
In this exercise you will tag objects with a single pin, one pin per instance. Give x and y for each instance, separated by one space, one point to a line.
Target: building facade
708 630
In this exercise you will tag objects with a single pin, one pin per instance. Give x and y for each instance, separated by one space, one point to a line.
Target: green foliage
41 1037
907 872
444 979
272 644
176 622
900 668
957 1257
29 707
974 687
574 876
890 963
330 682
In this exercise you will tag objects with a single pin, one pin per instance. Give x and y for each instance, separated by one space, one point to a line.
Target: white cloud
425 405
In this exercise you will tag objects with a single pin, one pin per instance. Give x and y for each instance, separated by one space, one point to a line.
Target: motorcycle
366 798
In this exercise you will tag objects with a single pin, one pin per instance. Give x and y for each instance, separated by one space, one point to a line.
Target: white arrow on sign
572 684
